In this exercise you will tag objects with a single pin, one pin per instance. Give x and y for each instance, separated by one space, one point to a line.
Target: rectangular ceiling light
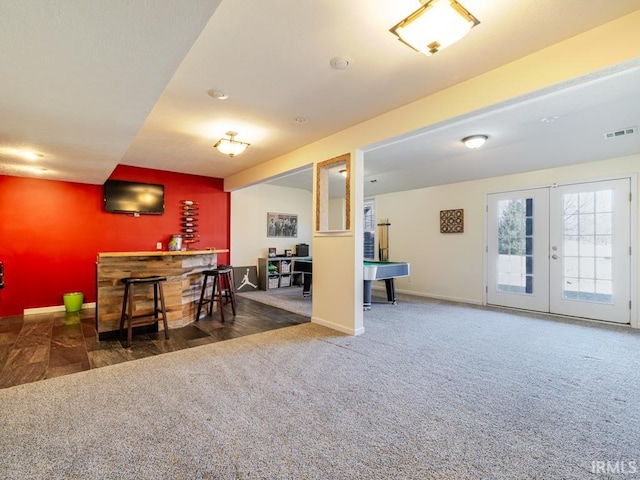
434 26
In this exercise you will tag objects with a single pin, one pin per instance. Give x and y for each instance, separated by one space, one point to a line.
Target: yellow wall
604 46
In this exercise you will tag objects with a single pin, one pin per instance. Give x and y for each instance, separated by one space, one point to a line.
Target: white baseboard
53 309
335 326
435 297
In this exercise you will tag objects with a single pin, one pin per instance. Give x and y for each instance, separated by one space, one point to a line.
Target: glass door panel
563 250
518 249
590 264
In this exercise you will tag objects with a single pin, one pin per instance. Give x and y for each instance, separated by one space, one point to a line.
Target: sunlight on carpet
287 298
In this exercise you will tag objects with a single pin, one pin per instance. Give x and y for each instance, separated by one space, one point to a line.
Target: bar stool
128 300
218 293
230 290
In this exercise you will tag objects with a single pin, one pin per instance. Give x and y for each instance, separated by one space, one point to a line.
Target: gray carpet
431 390
287 298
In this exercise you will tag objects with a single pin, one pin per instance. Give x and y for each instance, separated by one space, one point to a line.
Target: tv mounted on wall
133 197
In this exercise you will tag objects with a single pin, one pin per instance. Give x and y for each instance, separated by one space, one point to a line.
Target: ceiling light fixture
343 172
434 26
230 146
474 141
26 154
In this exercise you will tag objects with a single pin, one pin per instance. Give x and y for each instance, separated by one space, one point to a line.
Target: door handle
554 256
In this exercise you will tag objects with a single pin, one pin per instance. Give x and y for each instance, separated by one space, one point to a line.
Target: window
370 229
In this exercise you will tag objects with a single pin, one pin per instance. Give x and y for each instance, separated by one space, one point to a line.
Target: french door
563 250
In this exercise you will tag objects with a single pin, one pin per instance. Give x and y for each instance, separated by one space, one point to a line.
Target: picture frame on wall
282 225
452 221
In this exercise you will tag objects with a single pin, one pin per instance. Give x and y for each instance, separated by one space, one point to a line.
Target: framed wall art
282 225
452 221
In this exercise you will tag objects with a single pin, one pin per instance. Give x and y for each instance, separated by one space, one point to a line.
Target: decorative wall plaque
452 221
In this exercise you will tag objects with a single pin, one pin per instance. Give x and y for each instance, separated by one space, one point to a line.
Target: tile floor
41 346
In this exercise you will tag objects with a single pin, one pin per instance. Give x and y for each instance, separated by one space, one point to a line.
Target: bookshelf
277 272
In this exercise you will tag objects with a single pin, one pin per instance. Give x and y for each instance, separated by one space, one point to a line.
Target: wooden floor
43 346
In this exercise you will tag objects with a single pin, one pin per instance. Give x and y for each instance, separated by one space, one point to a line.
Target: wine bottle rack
189 222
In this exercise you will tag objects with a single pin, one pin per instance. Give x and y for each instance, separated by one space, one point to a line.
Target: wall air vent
620 133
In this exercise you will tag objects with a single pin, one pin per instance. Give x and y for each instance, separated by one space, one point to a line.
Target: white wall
249 207
451 266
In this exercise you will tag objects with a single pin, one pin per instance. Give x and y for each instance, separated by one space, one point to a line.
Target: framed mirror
333 194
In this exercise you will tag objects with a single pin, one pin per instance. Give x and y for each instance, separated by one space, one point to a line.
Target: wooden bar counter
183 270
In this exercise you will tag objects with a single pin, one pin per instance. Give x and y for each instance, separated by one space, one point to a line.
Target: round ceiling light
474 141
300 119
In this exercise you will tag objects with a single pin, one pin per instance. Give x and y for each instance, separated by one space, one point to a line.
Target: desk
386 271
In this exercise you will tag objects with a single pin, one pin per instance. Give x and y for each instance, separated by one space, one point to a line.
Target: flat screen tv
133 197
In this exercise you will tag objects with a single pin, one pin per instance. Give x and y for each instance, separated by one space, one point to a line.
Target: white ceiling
563 125
89 85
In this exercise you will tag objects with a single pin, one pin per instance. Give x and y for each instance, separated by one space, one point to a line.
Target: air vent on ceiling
620 133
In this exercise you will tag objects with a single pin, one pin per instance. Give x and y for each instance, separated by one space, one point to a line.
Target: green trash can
73 301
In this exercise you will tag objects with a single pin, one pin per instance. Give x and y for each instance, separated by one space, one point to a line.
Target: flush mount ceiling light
343 172
475 141
434 26
230 146
26 154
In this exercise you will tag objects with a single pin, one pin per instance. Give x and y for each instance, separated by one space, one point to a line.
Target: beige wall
337 215
451 266
604 46
249 207
442 266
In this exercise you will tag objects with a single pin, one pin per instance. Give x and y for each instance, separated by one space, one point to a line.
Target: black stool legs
220 275
127 306
230 290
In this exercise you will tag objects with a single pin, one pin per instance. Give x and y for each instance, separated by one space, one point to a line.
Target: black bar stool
229 289
220 275
127 306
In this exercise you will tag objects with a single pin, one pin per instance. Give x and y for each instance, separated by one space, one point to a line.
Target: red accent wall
51 232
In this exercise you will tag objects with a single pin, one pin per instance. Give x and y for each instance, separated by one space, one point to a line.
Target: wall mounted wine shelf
189 222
